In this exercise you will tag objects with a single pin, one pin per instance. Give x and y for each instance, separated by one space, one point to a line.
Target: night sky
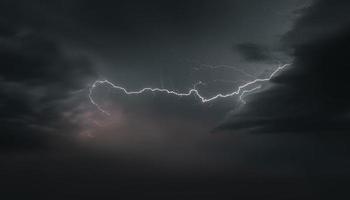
287 140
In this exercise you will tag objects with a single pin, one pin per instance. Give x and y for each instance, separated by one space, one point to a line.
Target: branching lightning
241 90
246 92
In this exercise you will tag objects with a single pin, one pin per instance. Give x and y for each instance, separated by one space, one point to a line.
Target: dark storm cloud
253 52
146 15
153 146
39 72
310 96
36 80
85 18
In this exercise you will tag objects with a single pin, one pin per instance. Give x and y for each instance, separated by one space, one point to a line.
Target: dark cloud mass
253 52
55 144
36 80
311 95
52 50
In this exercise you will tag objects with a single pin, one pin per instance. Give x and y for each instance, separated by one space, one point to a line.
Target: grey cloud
36 80
309 97
253 52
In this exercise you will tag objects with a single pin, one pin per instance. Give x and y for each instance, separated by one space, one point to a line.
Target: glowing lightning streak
241 90
247 92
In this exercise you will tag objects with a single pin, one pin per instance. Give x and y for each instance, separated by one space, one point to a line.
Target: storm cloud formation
311 96
253 52
36 80
52 50
55 144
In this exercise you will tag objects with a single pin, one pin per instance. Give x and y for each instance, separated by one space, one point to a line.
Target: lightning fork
242 89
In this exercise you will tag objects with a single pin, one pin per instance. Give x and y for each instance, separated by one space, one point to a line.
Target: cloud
311 96
37 80
253 52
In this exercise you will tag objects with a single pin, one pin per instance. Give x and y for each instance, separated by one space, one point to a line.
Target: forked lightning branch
244 89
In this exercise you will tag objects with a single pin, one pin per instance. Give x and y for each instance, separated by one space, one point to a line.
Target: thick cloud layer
51 51
156 146
37 84
311 96
253 52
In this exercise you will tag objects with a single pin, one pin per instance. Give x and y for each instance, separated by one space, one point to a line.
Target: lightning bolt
242 90
247 92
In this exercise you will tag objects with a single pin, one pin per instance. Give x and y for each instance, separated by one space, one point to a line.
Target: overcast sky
292 130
